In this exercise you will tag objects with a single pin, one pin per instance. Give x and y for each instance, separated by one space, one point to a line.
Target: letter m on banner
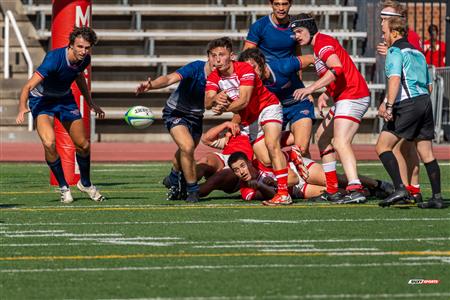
82 19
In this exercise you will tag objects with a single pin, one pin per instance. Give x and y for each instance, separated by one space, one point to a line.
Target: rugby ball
139 117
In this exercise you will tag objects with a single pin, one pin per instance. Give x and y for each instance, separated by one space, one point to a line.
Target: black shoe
182 186
353 197
417 198
173 193
193 197
166 182
327 197
383 190
432 203
398 195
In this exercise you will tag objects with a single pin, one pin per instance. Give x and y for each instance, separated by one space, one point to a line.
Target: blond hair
397 24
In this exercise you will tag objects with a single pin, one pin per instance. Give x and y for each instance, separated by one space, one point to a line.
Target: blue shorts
174 118
297 111
64 108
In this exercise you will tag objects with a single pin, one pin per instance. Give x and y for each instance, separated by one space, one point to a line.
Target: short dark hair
431 27
271 1
85 32
235 156
255 54
224 42
397 24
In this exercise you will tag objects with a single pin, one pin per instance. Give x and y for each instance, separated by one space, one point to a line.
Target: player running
234 87
349 91
280 76
50 96
183 118
408 112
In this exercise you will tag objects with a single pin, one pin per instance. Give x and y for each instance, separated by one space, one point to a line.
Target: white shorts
224 158
272 113
298 190
351 109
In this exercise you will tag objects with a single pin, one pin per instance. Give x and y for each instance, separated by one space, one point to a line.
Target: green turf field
137 245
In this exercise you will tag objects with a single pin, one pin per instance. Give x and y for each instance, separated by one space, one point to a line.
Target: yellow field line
194 255
184 207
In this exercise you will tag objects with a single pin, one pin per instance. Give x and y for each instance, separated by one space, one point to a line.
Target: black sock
391 165
434 174
84 163
58 172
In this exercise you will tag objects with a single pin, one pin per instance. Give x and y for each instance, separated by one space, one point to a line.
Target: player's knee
49 146
187 149
339 143
84 147
272 146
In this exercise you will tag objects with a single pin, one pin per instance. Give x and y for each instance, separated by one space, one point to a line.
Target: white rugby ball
139 117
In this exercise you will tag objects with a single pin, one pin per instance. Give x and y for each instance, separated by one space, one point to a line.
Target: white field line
425 258
220 267
45 244
62 235
31 231
255 221
307 296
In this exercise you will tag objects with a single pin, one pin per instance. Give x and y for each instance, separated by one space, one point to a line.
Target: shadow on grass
6 206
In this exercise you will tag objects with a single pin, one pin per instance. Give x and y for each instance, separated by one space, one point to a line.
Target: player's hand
388 114
322 103
144 86
253 184
98 111
382 48
233 127
382 110
21 115
311 98
269 181
218 109
222 99
300 94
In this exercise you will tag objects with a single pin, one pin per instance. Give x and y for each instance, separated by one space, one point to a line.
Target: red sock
282 179
331 177
413 189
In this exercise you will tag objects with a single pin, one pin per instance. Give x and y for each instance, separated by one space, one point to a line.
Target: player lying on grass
50 97
234 87
258 181
214 165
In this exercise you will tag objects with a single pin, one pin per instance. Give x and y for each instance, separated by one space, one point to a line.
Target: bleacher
138 40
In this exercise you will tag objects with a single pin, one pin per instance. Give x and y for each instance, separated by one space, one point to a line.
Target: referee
407 111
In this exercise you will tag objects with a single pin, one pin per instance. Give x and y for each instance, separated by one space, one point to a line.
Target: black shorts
174 118
413 119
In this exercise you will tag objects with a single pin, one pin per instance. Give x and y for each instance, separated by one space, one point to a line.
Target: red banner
65 15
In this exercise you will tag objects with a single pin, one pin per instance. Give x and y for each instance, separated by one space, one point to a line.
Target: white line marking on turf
307 296
256 221
62 235
203 267
44 245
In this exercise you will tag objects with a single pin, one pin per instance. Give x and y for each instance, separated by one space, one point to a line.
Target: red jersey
243 75
241 143
437 58
248 193
348 85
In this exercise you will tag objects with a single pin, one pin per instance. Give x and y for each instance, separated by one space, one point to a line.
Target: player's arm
158 83
263 191
82 86
211 137
23 107
245 92
215 99
334 70
249 45
306 60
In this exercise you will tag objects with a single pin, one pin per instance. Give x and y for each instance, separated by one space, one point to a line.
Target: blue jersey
275 41
58 74
284 79
189 97
404 61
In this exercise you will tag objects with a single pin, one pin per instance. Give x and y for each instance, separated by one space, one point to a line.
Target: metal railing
442 108
9 18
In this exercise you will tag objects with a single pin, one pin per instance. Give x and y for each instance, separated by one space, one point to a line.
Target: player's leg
425 149
324 135
312 191
224 180
301 125
186 145
76 131
408 161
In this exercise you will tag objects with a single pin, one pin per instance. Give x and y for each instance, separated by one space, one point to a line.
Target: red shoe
297 159
278 199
